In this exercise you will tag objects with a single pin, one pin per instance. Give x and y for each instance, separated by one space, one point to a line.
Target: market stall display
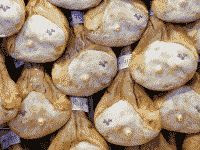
99 74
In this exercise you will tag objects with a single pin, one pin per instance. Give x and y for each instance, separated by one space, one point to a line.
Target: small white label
4 7
151 13
9 139
18 63
77 17
79 103
123 61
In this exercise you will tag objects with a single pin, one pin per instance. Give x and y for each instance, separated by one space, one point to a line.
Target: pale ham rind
12 17
165 58
122 125
44 108
116 23
180 108
40 42
75 5
172 10
159 59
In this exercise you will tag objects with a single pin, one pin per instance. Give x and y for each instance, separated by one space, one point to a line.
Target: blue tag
77 17
9 139
151 13
79 103
18 63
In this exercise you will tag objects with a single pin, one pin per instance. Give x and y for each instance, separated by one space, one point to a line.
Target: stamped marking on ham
22 113
138 16
103 63
198 108
50 31
107 122
182 56
4 8
183 4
